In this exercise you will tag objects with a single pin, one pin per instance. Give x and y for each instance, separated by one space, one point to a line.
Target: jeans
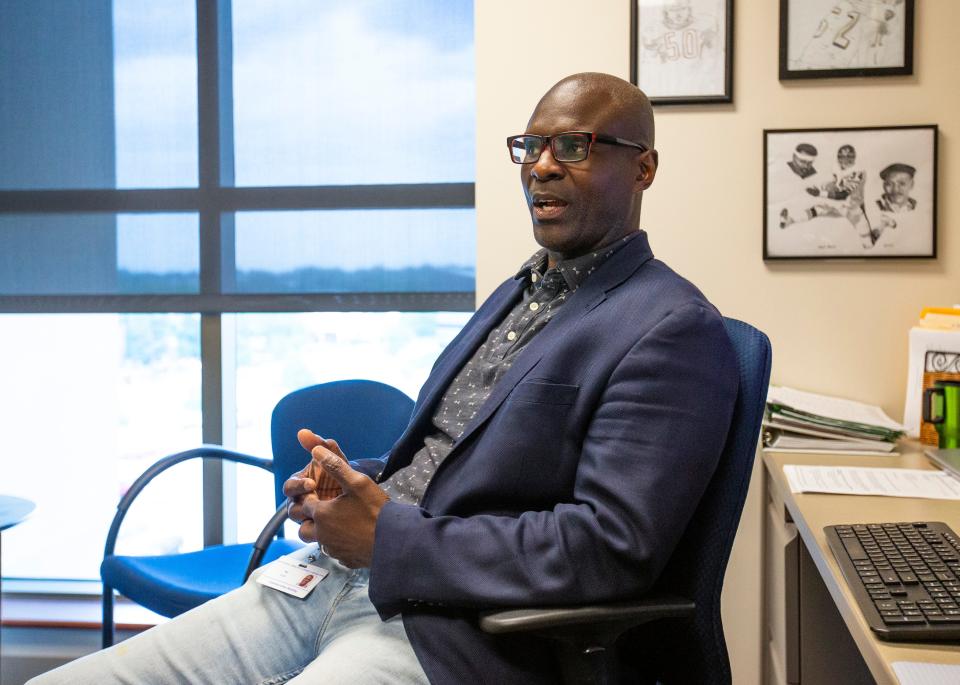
259 635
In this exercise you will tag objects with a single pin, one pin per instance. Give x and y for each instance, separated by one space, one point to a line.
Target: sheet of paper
806 430
848 453
865 480
919 673
834 407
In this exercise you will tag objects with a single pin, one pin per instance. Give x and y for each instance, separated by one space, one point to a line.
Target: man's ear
648 162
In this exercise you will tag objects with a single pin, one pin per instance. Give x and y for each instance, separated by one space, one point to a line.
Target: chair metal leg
107 616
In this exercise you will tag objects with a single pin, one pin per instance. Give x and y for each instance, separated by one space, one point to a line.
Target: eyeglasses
571 146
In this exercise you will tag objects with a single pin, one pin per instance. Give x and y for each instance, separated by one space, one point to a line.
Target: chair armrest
584 637
609 619
158 467
263 540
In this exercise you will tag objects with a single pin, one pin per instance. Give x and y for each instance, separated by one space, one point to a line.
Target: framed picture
682 50
839 38
850 192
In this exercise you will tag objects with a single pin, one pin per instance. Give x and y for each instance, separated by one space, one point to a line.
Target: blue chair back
695 651
364 417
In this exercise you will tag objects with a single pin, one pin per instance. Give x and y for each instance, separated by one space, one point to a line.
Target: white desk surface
811 512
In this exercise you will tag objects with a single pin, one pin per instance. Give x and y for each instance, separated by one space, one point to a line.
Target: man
841 195
847 178
803 158
897 186
557 451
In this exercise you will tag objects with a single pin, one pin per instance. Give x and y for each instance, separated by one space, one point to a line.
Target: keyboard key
854 549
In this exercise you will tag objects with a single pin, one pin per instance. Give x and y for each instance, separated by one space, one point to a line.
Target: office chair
365 417
674 634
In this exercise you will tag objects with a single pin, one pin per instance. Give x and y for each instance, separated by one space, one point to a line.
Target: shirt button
534 306
512 335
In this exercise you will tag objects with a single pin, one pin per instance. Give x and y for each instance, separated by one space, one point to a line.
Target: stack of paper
804 421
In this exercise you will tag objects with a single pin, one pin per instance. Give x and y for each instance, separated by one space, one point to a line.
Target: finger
295 486
295 511
334 447
317 454
312 505
308 531
338 468
308 440
327 487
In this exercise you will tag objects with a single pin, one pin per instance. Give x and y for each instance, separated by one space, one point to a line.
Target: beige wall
836 327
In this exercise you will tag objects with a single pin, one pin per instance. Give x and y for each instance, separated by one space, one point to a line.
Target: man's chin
553 235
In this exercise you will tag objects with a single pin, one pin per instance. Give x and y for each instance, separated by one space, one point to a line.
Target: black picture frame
672 54
837 39
850 193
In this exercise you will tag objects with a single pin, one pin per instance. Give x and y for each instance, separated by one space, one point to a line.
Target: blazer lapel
441 378
621 265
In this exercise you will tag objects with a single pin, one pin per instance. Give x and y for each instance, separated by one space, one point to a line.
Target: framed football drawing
681 51
841 38
850 193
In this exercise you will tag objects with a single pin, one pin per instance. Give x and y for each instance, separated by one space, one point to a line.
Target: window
203 206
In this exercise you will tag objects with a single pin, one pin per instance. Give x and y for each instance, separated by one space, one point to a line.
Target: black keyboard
904 576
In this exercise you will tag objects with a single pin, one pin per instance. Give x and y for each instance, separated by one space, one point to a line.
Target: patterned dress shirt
546 291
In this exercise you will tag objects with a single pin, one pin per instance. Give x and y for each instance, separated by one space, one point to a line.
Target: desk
815 632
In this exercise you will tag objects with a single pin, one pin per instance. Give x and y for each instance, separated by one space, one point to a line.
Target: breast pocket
544 392
535 427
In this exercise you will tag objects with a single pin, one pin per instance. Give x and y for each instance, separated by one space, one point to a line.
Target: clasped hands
334 505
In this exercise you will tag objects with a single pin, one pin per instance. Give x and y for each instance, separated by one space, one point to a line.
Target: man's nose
547 167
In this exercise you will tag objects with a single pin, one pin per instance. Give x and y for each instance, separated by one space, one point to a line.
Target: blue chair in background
630 641
365 418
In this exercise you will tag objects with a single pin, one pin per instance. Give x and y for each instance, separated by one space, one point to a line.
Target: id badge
291 576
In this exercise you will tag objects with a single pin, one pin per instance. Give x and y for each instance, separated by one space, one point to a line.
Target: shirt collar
574 271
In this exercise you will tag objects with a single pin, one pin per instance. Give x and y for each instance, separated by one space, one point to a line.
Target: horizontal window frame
224 199
212 303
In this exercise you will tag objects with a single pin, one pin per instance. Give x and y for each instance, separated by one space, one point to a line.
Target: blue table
13 510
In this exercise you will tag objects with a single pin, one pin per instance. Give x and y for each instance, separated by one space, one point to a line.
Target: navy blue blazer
576 478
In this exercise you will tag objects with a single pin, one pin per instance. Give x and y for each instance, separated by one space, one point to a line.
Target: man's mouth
548 209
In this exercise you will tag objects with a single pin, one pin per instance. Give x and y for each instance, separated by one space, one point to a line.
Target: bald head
622 107
581 205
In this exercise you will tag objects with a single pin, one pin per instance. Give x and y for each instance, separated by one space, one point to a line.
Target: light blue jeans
259 635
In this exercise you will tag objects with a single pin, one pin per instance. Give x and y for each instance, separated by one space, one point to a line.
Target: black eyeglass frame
549 140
